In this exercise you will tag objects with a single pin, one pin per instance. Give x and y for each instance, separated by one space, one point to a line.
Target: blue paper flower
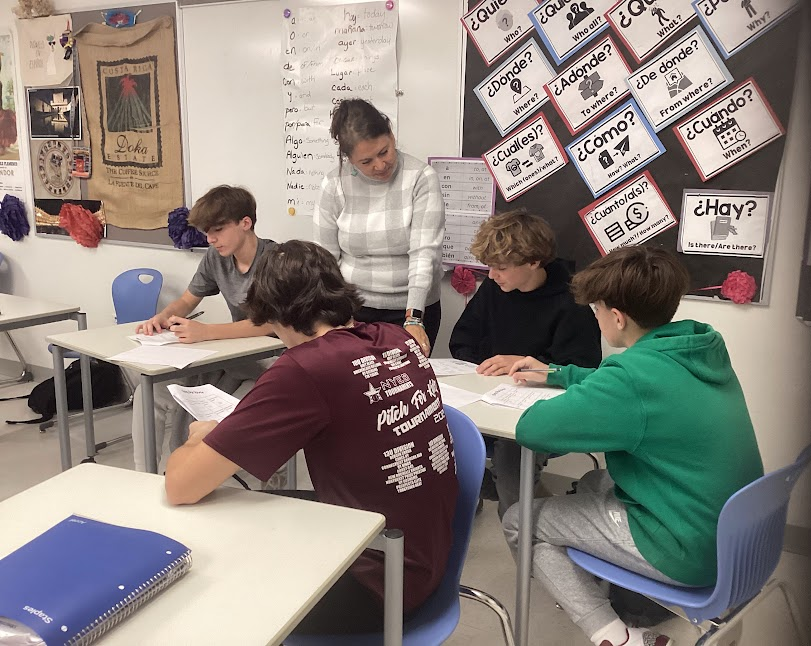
13 221
184 236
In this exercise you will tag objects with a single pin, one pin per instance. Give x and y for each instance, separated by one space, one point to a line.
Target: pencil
537 370
194 316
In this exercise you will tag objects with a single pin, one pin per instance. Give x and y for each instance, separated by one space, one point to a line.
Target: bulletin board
157 237
770 60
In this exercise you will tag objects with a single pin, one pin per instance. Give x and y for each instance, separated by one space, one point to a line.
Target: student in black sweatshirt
523 308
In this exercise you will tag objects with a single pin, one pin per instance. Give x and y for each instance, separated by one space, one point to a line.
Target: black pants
347 607
432 316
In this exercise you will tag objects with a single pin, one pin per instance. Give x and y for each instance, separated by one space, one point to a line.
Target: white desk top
105 342
496 421
260 561
20 311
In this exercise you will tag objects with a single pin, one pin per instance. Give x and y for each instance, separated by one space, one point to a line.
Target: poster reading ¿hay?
129 84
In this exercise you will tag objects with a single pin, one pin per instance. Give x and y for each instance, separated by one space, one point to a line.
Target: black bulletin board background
771 60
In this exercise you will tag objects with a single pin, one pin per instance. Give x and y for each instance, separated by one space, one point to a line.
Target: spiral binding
133 601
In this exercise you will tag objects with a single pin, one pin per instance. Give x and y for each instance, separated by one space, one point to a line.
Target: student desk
101 343
18 312
500 421
260 562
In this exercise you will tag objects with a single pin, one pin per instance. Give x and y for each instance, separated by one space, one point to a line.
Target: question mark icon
515 85
751 205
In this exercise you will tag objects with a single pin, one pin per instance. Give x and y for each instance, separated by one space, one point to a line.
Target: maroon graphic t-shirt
364 405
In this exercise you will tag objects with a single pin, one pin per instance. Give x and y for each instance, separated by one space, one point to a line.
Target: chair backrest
135 294
750 535
443 605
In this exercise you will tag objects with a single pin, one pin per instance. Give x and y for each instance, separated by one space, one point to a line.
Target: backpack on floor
106 384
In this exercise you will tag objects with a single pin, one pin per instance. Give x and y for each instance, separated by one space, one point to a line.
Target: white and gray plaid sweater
387 236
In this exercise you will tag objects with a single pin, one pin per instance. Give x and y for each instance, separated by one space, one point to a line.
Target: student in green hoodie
670 415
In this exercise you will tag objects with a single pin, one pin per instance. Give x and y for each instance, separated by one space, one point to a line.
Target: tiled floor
28 457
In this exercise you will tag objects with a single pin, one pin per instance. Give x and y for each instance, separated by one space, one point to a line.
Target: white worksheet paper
448 367
164 338
457 397
204 402
521 397
162 356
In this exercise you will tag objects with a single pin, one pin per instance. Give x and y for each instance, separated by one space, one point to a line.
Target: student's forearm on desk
194 470
237 330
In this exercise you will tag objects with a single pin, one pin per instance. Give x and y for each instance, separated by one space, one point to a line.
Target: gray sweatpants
506 472
594 521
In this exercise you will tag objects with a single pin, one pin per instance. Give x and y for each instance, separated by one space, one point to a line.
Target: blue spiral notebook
78 579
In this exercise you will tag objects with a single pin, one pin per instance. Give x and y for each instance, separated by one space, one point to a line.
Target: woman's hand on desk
188 331
529 363
498 365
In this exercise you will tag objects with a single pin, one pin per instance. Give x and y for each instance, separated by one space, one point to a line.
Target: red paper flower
84 227
463 280
739 287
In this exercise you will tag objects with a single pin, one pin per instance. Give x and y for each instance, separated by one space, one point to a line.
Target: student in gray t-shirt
227 215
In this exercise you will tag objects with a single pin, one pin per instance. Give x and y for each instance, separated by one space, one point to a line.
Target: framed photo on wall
55 112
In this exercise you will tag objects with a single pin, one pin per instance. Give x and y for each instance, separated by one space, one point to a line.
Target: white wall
770 349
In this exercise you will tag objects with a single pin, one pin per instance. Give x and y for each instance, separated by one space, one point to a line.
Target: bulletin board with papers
638 122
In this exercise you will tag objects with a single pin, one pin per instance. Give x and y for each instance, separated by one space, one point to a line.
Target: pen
194 316
537 370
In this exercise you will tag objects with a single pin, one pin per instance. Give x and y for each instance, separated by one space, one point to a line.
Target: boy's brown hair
645 283
222 204
514 238
298 284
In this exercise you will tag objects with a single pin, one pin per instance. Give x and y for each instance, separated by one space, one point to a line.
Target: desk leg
60 388
148 407
526 495
87 407
392 540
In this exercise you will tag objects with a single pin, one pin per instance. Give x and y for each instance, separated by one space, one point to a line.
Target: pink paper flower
463 280
739 287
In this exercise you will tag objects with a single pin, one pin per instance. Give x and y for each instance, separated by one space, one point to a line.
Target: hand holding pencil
530 369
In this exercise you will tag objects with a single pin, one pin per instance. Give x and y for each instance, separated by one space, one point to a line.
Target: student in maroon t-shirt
363 403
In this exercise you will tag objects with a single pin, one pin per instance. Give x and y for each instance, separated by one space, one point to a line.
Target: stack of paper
521 397
448 367
162 356
204 402
163 338
457 397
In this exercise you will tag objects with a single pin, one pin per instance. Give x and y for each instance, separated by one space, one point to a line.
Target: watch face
54 165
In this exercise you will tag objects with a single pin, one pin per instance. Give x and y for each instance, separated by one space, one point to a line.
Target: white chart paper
469 193
331 53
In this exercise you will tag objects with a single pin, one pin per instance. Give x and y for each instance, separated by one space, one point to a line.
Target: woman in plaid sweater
381 214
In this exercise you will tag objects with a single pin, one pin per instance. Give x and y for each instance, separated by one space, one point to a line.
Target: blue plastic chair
437 618
750 541
135 298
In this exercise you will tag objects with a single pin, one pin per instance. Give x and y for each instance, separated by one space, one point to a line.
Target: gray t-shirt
218 275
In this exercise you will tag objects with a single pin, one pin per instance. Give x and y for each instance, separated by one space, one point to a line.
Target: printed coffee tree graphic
129 99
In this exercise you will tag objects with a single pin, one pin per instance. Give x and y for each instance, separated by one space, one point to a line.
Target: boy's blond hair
514 238
645 283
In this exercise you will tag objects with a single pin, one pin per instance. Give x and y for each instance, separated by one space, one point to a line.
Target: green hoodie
671 418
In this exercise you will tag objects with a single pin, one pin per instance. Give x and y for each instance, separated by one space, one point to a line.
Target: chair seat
684 597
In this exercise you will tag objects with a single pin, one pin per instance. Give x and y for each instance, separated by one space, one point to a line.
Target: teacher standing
381 214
